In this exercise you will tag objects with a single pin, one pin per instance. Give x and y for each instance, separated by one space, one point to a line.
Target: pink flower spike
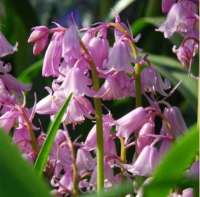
52 56
131 122
5 47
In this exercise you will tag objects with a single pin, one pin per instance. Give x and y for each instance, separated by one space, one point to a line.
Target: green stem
99 123
138 90
123 150
198 112
99 136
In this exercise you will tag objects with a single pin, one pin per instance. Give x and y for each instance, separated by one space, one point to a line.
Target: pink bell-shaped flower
131 122
117 85
5 47
181 18
99 47
145 162
52 56
143 138
39 37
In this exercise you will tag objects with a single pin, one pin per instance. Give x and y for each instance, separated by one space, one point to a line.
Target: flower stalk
30 129
99 123
138 90
198 112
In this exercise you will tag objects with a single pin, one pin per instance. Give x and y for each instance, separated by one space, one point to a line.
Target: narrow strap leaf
46 148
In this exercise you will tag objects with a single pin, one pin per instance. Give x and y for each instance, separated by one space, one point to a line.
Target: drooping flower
39 38
167 4
131 122
120 56
99 47
109 145
71 44
117 85
176 121
5 47
145 162
151 81
181 18
52 58
186 51
143 138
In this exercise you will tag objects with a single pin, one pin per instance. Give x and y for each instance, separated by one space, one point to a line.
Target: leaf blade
46 148
187 144
16 175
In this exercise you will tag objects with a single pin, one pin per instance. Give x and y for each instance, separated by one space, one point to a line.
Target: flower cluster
182 18
86 63
15 117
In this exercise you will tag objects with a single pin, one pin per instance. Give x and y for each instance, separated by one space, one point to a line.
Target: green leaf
119 6
117 190
173 165
173 70
46 148
141 23
31 72
17 177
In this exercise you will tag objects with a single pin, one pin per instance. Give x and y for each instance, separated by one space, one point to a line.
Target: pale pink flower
117 85
5 47
39 37
181 18
52 58
145 162
131 122
143 138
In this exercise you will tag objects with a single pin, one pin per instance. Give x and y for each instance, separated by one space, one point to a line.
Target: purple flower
71 44
120 56
143 138
109 145
84 161
117 85
8 120
22 138
39 37
167 4
99 47
52 56
186 51
176 121
5 47
145 162
13 85
74 75
181 18
131 122
152 82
